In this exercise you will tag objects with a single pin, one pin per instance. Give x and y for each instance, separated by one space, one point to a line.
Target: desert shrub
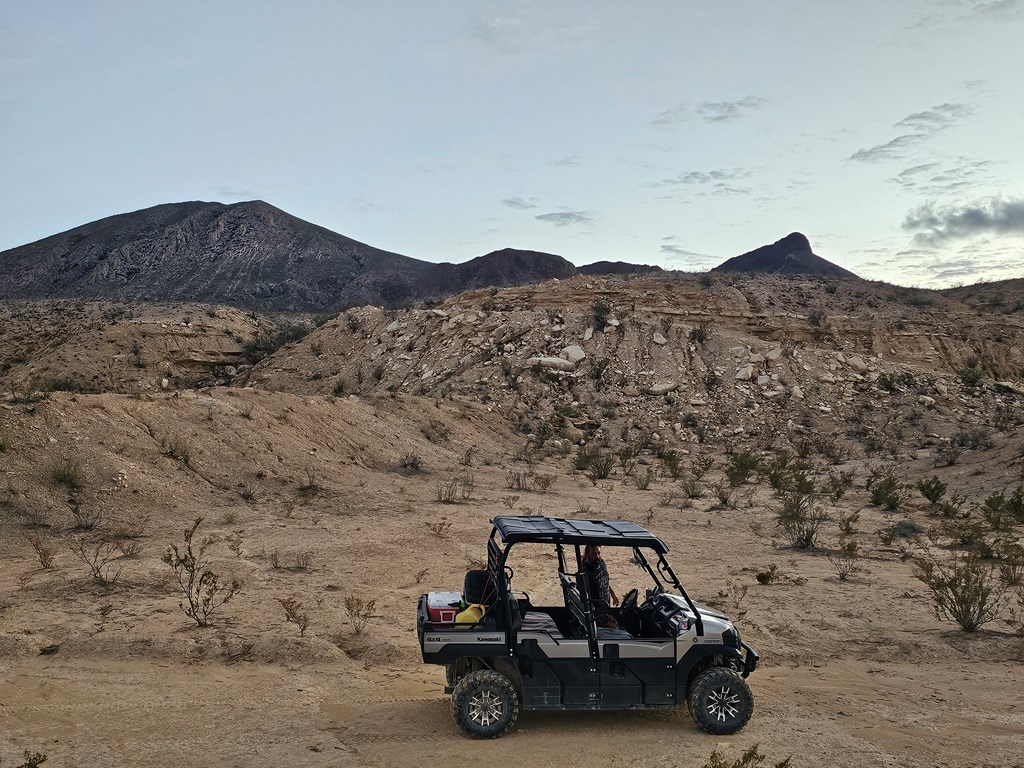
740 467
68 473
85 518
101 557
976 437
895 382
996 512
1006 417
965 532
838 483
700 466
32 759
311 485
831 449
177 447
887 492
359 612
518 480
776 470
932 489
601 467
203 589
642 480
1010 556
949 454
767 576
671 464
966 591
436 431
904 529
800 519
844 559
544 482
752 758
410 462
602 310
258 348
848 522
43 549
294 614
448 491
693 488
724 493
583 507
971 376
701 334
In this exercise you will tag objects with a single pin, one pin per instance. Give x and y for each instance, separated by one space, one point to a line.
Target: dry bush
294 614
203 589
85 519
303 559
419 575
544 482
448 491
101 557
700 466
311 487
128 547
642 480
68 473
44 550
518 480
848 522
752 758
800 519
410 463
768 576
967 591
132 528
177 447
693 488
844 559
440 527
359 612
583 507
509 501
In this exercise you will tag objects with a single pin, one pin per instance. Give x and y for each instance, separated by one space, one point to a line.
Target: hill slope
792 255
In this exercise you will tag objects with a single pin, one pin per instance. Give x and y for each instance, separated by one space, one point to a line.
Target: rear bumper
750 659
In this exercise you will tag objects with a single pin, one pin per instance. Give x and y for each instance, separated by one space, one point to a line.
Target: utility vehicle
555 657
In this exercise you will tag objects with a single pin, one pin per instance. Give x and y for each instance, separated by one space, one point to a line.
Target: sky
666 132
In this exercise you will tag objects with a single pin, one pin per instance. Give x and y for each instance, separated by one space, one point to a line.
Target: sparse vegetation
966 591
204 590
67 473
44 550
294 614
752 758
844 559
800 519
359 612
101 557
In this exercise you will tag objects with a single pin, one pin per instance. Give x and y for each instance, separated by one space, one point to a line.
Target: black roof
515 529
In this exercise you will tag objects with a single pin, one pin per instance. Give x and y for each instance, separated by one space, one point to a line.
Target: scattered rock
574 353
552 363
659 339
665 388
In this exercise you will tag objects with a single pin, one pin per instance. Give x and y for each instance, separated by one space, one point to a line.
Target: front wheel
720 701
485 704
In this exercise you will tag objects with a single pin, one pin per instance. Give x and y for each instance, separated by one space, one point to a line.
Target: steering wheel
629 601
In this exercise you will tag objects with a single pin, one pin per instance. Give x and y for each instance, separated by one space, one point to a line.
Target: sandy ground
855 673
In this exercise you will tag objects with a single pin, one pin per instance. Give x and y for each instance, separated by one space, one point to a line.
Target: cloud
923 125
705 177
572 161
998 10
708 111
565 218
890 150
935 119
519 203
995 216
937 179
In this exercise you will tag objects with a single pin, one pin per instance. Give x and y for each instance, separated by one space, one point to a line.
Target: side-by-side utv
667 649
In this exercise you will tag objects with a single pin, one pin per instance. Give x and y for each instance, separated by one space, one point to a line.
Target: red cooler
442 606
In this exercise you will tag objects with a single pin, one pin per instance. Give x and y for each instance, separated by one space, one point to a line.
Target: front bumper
750 659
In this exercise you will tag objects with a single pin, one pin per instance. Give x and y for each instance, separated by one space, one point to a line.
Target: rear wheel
720 701
485 704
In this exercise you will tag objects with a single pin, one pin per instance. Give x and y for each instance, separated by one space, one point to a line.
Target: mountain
249 255
617 268
792 255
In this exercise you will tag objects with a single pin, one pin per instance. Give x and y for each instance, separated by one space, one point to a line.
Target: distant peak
796 242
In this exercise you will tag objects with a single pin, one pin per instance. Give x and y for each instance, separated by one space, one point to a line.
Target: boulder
857 363
574 353
664 388
744 373
659 339
552 363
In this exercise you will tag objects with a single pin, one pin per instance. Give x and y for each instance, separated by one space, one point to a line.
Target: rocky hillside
792 255
248 255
